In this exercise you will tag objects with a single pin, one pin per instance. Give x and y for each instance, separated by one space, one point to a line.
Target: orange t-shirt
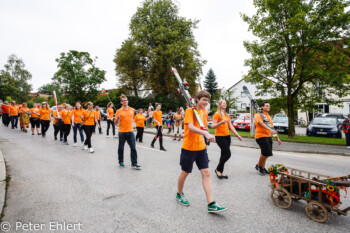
89 117
126 117
35 112
66 117
45 114
55 114
13 110
23 110
110 113
193 141
98 114
158 115
259 130
222 130
77 113
140 120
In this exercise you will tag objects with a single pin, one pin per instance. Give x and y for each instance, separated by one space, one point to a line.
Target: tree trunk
290 102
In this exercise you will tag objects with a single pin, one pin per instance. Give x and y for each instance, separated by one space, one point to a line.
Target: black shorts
35 122
265 144
187 158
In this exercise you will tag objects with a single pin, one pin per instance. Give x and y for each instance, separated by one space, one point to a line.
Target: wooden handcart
321 192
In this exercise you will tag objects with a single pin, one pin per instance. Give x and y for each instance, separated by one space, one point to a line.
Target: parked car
210 124
339 116
243 121
164 118
103 114
324 126
280 123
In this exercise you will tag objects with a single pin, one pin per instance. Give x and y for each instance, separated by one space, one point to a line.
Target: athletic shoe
152 145
214 208
162 149
121 164
260 170
107 136
136 166
266 171
39 133
91 150
84 147
182 199
75 144
66 143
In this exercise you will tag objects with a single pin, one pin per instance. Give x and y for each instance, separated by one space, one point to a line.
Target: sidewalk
286 146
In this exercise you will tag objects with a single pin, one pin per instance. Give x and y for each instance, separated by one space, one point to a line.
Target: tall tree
210 83
14 79
162 39
301 43
78 76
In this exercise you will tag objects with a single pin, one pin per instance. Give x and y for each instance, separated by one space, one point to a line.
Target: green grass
300 139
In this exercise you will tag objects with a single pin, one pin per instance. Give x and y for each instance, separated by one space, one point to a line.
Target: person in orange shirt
34 119
140 124
263 137
178 118
157 116
57 122
222 125
24 119
194 150
45 118
5 113
67 122
14 111
98 116
110 120
124 118
77 123
89 119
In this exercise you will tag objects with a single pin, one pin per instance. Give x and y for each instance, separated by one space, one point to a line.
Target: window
243 106
243 94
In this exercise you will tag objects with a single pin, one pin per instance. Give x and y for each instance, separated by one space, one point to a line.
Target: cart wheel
281 198
316 211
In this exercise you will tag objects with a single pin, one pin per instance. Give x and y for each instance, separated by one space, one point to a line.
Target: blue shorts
187 158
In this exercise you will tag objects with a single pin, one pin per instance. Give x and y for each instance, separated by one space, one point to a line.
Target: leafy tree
301 43
14 79
161 39
49 88
78 76
231 100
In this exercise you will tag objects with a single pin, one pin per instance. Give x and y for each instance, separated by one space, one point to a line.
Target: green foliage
159 39
14 80
302 52
49 88
78 76
229 96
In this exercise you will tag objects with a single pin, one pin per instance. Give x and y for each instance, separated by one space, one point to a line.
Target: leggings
224 143
66 131
45 124
139 134
110 122
88 129
58 128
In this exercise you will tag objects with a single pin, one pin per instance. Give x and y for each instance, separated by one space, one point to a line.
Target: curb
316 151
3 176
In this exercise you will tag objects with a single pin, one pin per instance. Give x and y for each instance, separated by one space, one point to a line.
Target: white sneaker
107 136
91 150
84 147
348 147
75 144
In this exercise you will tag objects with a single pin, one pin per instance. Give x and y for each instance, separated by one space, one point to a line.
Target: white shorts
178 128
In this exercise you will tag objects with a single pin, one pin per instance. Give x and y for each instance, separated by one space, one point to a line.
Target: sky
37 31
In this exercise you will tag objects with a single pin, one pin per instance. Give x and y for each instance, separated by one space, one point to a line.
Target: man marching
124 117
263 138
194 150
157 116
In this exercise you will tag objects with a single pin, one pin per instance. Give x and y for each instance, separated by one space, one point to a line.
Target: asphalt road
51 182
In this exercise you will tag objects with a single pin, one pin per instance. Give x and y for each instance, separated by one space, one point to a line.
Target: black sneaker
162 149
152 145
260 170
266 171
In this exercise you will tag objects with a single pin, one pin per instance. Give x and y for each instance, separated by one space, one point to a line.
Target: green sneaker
214 208
182 199
121 164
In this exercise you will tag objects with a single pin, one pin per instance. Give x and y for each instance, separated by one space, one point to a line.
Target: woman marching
98 116
45 118
57 122
222 125
66 118
77 123
140 124
89 119
24 119
110 121
34 119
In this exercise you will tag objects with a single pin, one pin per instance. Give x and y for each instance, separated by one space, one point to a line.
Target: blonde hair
219 108
47 106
